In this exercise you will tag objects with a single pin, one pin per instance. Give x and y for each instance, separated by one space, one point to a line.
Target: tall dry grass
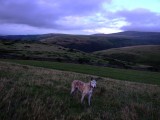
36 93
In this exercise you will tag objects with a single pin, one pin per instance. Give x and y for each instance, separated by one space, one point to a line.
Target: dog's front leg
89 99
82 98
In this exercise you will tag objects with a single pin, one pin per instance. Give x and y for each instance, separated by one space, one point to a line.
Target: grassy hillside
86 43
121 74
145 54
37 93
41 51
90 43
75 48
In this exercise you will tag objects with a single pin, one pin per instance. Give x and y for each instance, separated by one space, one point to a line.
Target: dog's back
76 84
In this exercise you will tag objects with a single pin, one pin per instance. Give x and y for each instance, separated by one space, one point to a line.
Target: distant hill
96 42
129 34
146 54
37 37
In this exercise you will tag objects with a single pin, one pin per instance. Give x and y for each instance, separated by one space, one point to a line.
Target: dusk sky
78 16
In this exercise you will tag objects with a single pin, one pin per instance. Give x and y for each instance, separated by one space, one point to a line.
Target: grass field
121 74
28 92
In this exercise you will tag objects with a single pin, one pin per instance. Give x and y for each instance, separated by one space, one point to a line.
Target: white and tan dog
84 88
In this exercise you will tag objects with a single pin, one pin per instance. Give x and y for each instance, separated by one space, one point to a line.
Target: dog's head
93 83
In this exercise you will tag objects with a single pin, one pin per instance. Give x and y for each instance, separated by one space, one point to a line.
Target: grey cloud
140 20
39 13
25 12
81 7
52 14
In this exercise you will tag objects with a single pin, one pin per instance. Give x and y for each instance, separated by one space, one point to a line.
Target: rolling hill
46 52
96 42
80 48
144 54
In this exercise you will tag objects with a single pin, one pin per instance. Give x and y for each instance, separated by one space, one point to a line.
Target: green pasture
120 74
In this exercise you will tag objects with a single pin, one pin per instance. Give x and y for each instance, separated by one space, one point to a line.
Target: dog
84 88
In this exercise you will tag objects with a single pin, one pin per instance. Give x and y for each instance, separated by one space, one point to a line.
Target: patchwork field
39 93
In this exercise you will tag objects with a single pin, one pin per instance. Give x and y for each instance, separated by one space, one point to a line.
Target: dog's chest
90 91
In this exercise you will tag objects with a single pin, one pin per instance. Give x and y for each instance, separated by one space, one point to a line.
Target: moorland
36 72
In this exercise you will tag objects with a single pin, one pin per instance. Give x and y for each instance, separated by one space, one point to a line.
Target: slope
144 54
90 43
37 93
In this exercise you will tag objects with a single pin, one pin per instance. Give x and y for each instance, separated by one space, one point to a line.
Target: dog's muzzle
93 85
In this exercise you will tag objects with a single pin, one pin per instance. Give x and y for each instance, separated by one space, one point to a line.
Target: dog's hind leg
82 98
72 90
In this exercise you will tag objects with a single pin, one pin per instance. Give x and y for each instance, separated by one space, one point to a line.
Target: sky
78 16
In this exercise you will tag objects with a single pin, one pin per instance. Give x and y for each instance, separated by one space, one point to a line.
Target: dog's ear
98 78
92 78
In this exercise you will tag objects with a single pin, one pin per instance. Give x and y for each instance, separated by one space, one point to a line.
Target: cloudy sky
78 16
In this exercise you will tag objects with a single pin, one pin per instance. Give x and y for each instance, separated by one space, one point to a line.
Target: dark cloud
45 13
27 12
140 20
